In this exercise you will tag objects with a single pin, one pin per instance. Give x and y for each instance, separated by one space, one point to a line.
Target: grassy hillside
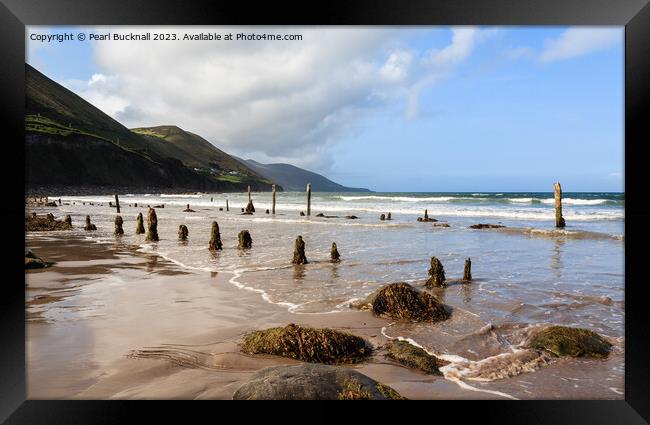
199 154
57 120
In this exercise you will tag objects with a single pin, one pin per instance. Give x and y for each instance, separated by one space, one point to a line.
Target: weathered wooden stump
220 208
89 225
299 252
559 220
382 217
467 271
227 207
245 240
152 226
389 217
68 220
139 226
215 237
308 198
302 214
117 203
436 273
250 208
188 209
59 201
118 226
182 232
273 200
267 211
334 254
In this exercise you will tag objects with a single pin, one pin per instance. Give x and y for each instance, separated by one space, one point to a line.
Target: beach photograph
325 212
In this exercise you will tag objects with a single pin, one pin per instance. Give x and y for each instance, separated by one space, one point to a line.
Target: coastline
145 348
183 343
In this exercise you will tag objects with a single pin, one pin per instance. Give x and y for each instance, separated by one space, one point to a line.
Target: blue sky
391 109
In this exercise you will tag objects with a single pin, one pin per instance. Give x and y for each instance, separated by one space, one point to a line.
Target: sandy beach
116 318
181 343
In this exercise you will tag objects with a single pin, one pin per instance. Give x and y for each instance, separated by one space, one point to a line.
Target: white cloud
273 100
578 41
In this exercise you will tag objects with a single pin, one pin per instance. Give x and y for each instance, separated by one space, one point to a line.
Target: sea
526 275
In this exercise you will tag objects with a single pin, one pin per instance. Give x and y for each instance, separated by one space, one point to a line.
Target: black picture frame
633 14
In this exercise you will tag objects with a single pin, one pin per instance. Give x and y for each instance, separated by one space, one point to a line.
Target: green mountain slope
70 143
199 154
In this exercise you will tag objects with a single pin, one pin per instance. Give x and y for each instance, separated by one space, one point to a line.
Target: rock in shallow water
307 344
414 357
32 261
402 301
313 382
574 342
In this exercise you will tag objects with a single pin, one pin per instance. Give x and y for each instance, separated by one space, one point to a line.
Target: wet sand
109 322
164 333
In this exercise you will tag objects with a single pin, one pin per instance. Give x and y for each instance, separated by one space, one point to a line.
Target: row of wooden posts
557 192
436 272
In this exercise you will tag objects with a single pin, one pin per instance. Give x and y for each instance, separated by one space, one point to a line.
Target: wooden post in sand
227 208
467 272
559 220
273 200
308 198
117 203
249 193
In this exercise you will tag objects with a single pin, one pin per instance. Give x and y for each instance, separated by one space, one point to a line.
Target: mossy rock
34 262
403 302
313 382
574 342
307 344
414 357
35 223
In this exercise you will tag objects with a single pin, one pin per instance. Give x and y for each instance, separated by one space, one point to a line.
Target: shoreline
199 362
140 325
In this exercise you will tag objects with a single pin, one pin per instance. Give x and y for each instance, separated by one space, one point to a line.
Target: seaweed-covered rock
320 215
308 381
440 224
68 220
139 227
426 218
152 226
574 342
414 357
382 217
307 344
486 226
334 253
436 273
302 213
351 217
118 226
35 223
89 225
34 262
215 237
267 211
402 301
245 240
299 252
182 232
